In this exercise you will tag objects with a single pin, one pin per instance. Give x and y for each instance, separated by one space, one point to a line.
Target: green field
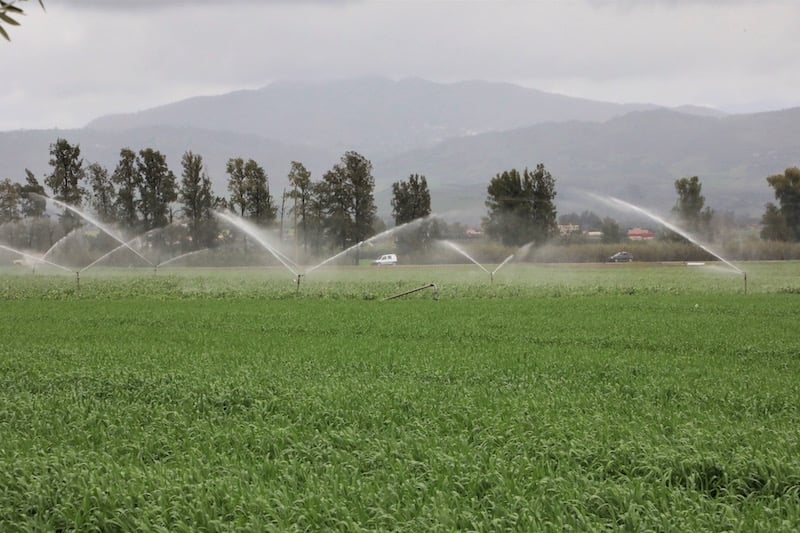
559 397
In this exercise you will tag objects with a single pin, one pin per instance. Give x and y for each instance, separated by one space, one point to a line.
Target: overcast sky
85 58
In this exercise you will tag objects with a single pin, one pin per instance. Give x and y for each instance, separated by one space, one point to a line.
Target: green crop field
560 397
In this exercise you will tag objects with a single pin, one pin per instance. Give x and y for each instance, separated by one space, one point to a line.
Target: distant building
566 229
472 233
640 234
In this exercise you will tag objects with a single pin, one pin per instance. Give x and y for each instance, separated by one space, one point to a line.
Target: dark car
621 257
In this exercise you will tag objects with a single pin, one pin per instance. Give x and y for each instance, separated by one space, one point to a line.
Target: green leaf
4 34
8 19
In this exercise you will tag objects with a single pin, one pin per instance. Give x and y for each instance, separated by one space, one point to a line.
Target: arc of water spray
506 260
616 202
34 258
252 232
95 223
460 250
373 238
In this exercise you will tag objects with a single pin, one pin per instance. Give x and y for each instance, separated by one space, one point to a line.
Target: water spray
95 223
506 260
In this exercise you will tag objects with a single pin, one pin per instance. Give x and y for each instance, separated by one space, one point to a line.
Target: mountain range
459 135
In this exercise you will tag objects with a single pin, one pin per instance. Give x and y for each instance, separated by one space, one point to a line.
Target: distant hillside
376 116
637 156
30 149
459 135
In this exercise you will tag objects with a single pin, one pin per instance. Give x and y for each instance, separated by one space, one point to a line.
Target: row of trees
338 211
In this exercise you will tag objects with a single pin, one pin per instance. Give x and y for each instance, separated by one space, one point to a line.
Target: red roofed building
640 234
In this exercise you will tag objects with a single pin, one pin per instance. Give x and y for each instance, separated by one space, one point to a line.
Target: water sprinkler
299 277
428 286
745 282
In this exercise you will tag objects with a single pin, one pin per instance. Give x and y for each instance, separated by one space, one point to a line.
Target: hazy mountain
464 134
30 149
375 116
637 156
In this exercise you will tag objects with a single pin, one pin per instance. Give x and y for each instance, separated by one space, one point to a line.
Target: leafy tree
197 200
347 197
521 207
127 178
9 201
8 12
33 204
237 185
68 172
260 206
411 200
787 192
611 231
103 195
157 188
65 179
689 207
774 226
300 180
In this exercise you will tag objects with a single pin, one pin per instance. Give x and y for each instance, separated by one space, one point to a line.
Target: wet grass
227 402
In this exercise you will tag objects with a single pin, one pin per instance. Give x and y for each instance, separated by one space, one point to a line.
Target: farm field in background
560 397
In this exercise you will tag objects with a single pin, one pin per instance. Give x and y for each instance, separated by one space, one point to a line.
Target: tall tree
300 180
773 224
197 200
787 192
102 195
260 206
237 185
68 172
347 194
9 201
411 200
65 179
611 231
689 207
157 188
127 178
521 207
33 204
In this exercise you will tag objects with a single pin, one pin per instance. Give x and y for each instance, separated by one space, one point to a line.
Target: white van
386 259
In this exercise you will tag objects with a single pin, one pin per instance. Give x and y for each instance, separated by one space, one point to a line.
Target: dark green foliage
198 201
689 208
9 13
786 219
9 201
411 200
346 198
249 188
102 196
128 181
65 180
157 188
611 231
521 207
301 193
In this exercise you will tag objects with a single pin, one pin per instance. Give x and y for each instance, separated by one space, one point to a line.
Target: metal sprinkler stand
299 277
429 286
745 282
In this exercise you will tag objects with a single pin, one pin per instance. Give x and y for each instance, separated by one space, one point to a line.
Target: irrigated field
624 397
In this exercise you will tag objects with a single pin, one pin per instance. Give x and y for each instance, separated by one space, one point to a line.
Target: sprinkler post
745 282
428 286
78 280
299 277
